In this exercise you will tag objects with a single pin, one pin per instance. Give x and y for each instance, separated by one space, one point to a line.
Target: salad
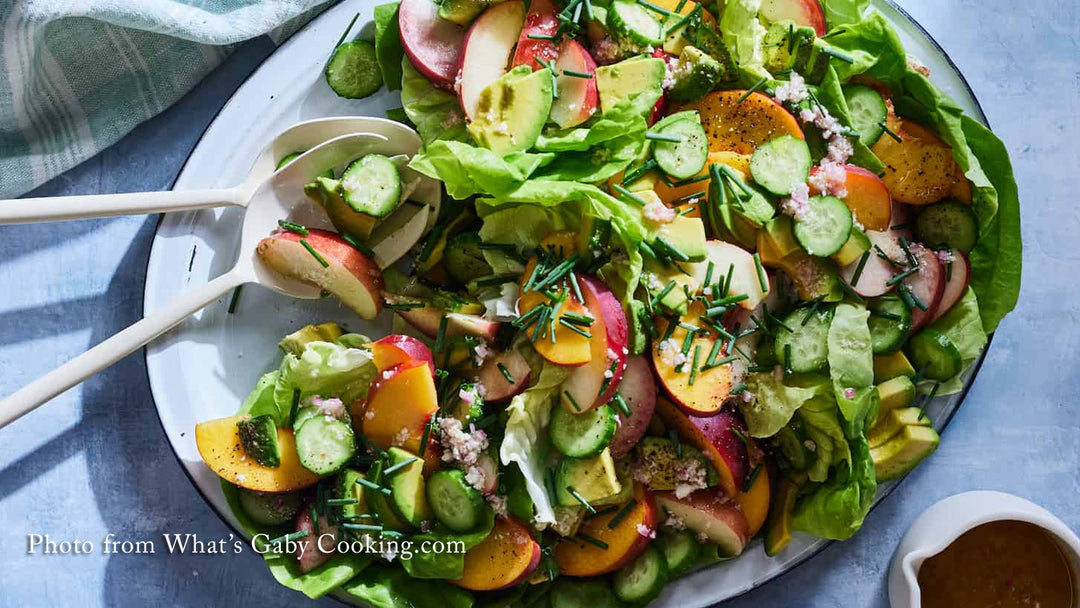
697 272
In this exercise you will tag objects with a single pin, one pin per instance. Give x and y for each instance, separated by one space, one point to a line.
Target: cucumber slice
824 227
680 549
933 352
807 342
685 158
631 20
456 504
584 434
867 110
258 436
641 581
405 478
269 509
890 324
582 593
781 163
353 72
372 185
947 225
325 444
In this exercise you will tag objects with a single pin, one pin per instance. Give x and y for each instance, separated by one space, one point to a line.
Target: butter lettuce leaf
261 401
388 49
743 35
851 365
774 403
387 586
822 420
469 170
525 439
433 565
842 12
436 113
326 369
837 509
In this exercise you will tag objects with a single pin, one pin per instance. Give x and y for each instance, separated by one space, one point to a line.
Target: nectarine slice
711 387
715 438
506 557
867 197
399 404
919 169
624 541
670 194
754 503
396 348
712 513
219 445
742 127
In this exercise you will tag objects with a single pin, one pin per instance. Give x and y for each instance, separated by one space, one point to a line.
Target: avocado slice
348 486
382 503
461 12
295 342
787 46
626 483
258 436
663 458
895 393
903 452
695 74
887 367
465 260
778 231
687 234
639 336
853 249
512 110
891 425
593 478
326 192
638 75
813 277
406 482
675 298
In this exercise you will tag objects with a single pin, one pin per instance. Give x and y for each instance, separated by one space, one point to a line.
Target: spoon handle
58 208
115 348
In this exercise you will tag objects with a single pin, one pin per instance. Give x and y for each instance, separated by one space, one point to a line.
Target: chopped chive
881 254
915 299
710 361
622 405
295 404
663 293
234 299
372 485
672 250
890 132
505 372
679 6
859 268
694 366
523 321
293 227
727 280
900 227
498 279
440 338
929 398
715 311
364 527
724 361
549 481
688 341
903 275
948 271
336 502
541 324
690 180
630 195
810 312
577 288
577 319
652 7
361 516
850 292
741 436
787 360
573 402
907 251
533 276
578 497
574 328
602 512
588 10
749 482
314 254
739 389
635 173
752 90
397 467
837 54
577 74
884 314
591 540
708 273
663 136
690 328
673 436
762 281
621 515
540 37
288 537
347 30
727 301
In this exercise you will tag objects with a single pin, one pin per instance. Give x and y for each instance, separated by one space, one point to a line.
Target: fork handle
115 348
85 206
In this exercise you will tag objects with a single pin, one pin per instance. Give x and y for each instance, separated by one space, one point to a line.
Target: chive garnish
663 136
523 321
337 502
914 299
505 372
688 341
881 254
813 309
929 398
652 7
602 512
295 404
890 132
727 280
314 254
741 436
749 481
663 293
689 198
440 338
884 314
573 402
900 227
293 227
540 37
859 268
372 485
577 319
397 467
903 275
907 251
708 273
622 405
757 85
574 328
850 292
837 54
672 250
690 180
577 74
710 361
739 389
628 194
578 497
592 541
724 361
787 360
621 515
497 279
541 324
694 366
288 537
234 299
364 527
635 173
762 281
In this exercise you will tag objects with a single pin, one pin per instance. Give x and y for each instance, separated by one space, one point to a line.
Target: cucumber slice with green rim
258 436
808 343
325 444
680 549
405 478
933 352
890 324
686 157
779 164
455 503
582 593
372 185
947 225
269 509
353 71
867 110
641 581
824 227
631 20
584 434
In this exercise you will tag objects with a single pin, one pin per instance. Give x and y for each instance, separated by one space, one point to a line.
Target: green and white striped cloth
77 75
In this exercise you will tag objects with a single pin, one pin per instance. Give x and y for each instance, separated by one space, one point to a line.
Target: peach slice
578 97
433 44
569 347
715 438
621 544
867 197
505 558
742 127
638 388
956 283
398 406
919 169
496 386
754 503
928 285
348 274
712 513
219 445
594 384
488 45
396 348
542 20
711 387
803 12
670 194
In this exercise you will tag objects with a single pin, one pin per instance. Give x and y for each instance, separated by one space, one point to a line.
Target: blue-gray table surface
95 461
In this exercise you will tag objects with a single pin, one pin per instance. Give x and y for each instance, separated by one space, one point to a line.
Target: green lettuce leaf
325 369
387 586
525 438
436 113
774 404
388 49
821 418
842 12
261 401
851 365
468 170
743 34
836 509
962 325
622 120
445 565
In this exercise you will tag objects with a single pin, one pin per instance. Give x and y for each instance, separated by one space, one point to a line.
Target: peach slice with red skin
487 48
867 197
711 387
541 20
957 279
398 406
594 384
220 447
754 502
625 541
716 439
711 513
433 44
569 348
803 12
396 348
349 275
743 126
505 558
496 386
578 97
638 388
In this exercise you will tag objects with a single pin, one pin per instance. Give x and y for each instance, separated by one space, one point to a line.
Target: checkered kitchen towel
77 75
